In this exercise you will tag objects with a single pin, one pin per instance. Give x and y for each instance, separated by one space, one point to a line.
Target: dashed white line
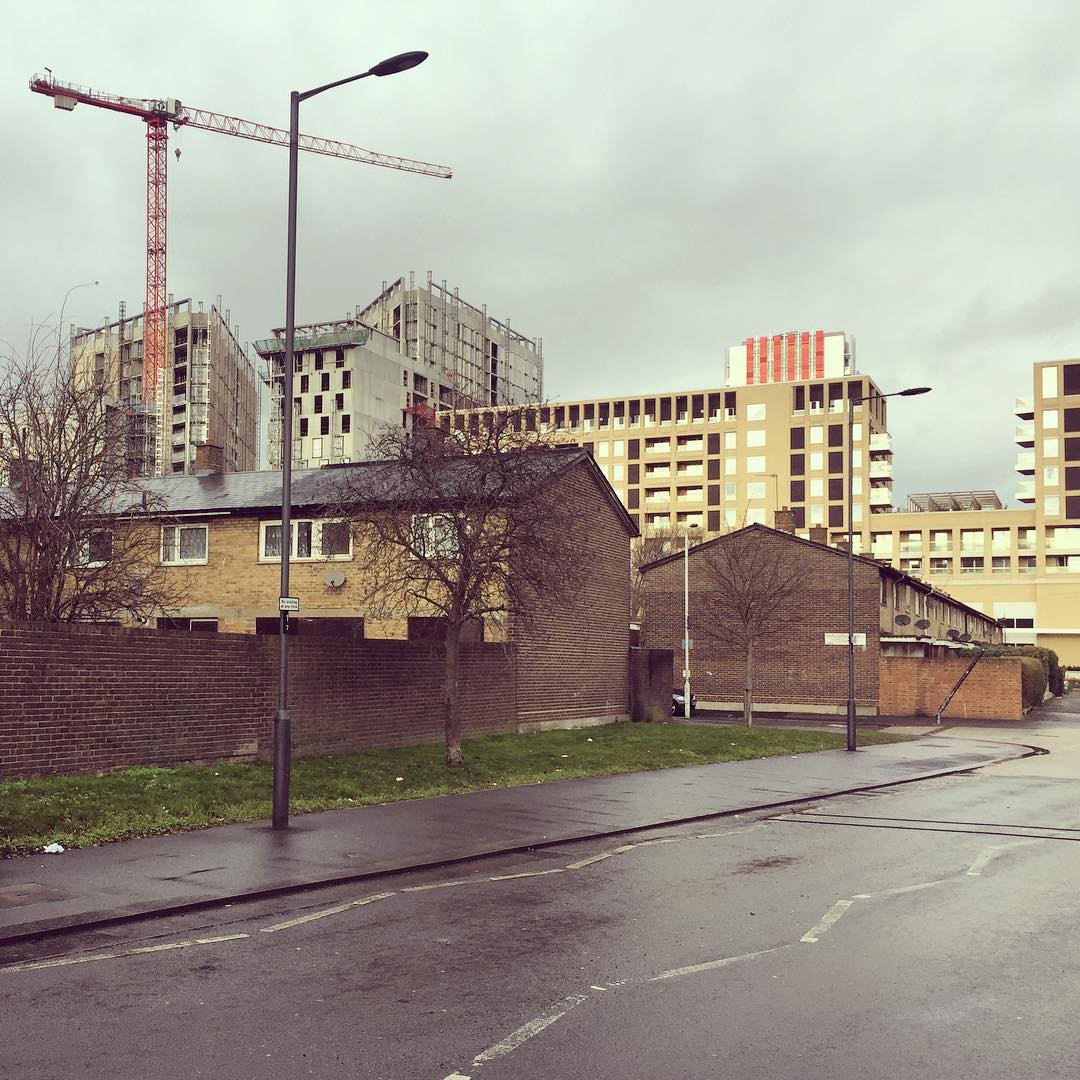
712 965
528 873
827 920
440 885
529 1030
115 954
312 916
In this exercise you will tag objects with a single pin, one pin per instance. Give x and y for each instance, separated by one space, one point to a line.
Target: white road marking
588 862
323 914
115 954
529 1030
990 853
440 885
458 1076
903 889
711 965
828 919
527 873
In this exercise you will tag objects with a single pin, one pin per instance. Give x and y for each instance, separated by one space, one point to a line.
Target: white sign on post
841 639
288 603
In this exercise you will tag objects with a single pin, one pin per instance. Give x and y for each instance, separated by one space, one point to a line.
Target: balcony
881 496
1025 434
1025 491
911 547
881 469
880 443
1025 408
1025 463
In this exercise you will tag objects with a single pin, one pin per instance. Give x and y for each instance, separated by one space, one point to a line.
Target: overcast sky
640 184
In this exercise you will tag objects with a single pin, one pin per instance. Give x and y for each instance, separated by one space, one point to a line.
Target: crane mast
158 114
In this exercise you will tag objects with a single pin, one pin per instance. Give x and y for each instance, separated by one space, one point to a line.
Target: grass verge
81 811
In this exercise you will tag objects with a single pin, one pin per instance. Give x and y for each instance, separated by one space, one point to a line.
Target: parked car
678 702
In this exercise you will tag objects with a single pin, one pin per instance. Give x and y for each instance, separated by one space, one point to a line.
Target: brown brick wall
796 669
94 699
916 687
572 663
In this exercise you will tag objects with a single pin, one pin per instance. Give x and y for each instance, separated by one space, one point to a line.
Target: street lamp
910 392
686 622
282 724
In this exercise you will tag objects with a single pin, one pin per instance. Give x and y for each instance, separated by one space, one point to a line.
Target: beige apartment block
208 389
723 458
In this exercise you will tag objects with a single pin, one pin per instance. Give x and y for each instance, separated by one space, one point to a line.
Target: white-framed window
756 437
731 440
1050 419
1051 505
1050 448
856 433
755 412
316 449
618 447
311 540
756 515
618 471
856 485
1050 476
434 535
1049 382
730 491
603 449
755 463
817 487
755 489
856 458
182 544
817 514
817 461
731 517
95 549
817 434
730 466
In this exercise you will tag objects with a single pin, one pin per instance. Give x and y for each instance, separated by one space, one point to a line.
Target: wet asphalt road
923 931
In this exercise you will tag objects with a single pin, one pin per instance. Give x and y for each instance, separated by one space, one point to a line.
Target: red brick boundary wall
913 686
81 699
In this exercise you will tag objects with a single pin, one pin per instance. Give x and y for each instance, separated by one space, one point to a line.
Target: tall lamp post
282 723
910 392
686 623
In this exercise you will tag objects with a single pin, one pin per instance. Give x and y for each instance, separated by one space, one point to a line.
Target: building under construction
411 351
207 390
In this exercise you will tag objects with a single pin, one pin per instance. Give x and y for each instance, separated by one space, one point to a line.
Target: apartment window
881 543
316 449
617 471
1049 382
303 384
1000 540
1025 539
95 550
755 438
798 491
856 459
817 435
339 357
971 564
1051 447
731 440
1072 379
618 448
603 449
730 518
836 489
836 516
755 464
817 514
755 489
1025 564
755 412
798 464
1051 477
798 438
346 423
324 425
836 434
658 446
1063 564
940 566
817 488
303 427
912 567
730 466
836 461
339 402
730 491
971 540
856 485
310 540
817 461
1050 419
183 544
318 403
1051 505
325 384
346 380
1001 564
856 433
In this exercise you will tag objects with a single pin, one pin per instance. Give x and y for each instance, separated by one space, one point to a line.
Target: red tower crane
157 115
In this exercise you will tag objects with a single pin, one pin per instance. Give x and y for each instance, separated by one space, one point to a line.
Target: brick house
223 541
903 618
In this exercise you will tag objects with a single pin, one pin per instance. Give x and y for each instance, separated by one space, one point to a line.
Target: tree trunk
748 688
454 756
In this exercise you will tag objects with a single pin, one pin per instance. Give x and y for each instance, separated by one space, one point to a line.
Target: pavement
44 894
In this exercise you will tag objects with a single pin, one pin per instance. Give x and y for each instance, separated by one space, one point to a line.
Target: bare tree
465 525
79 540
750 580
655 544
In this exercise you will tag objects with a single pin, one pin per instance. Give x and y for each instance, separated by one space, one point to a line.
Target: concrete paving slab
43 894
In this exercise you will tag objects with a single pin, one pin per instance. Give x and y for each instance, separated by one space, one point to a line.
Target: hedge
1032 680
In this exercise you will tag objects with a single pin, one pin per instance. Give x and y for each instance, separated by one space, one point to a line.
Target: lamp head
401 62
913 391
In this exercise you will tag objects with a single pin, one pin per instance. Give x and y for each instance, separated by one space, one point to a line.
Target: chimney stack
209 458
819 534
784 520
